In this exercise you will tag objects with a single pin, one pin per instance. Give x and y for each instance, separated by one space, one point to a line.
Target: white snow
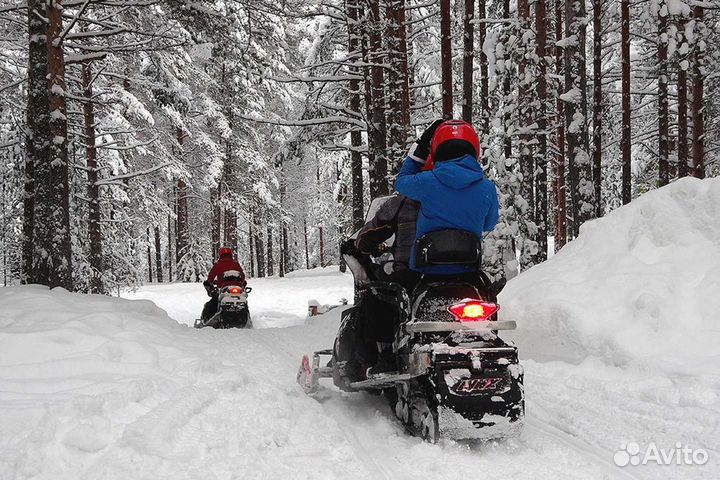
638 286
617 334
678 7
571 96
274 302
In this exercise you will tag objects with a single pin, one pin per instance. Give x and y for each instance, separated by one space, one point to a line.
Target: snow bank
637 286
52 341
71 365
94 387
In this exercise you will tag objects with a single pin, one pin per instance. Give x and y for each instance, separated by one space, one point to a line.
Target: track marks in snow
156 432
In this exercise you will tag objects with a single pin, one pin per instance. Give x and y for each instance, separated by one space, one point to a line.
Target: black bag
448 247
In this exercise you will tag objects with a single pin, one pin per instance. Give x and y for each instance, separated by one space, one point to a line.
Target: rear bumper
433 327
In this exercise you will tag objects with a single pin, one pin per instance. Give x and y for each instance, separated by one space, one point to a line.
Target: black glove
420 150
348 247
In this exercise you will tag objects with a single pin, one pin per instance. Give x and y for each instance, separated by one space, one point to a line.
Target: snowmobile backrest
231 276
448 247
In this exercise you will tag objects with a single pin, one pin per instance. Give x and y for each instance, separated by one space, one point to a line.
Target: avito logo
630 454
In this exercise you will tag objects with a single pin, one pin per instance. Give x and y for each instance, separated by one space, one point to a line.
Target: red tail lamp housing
473 310
235 290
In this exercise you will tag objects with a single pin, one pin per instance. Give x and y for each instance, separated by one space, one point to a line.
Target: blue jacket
455 194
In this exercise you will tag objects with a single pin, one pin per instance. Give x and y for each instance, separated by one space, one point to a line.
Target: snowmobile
455 376
233 311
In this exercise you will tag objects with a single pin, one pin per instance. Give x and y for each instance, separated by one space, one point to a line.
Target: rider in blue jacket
453 193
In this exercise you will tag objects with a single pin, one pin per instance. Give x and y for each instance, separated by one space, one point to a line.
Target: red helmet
457 138
225 251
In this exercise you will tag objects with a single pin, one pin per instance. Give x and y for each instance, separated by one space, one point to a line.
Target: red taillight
473 310
235 290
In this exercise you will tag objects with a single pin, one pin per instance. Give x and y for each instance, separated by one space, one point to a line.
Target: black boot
386 363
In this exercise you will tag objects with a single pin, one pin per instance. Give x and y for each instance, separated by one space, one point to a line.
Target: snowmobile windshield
372 210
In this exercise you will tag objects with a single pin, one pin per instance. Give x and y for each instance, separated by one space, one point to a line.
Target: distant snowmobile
232 312
455 377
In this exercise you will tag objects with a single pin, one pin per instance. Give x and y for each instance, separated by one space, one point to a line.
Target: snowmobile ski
310 372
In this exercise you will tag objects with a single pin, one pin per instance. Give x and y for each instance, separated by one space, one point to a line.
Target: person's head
454 139
225 252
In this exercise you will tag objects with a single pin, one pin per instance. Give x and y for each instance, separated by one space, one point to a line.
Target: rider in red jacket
226 271
226 263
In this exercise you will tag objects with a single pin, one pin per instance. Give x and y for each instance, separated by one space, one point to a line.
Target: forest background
138 136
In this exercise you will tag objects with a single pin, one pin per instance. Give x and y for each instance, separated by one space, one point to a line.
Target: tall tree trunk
507 91
399 104
51 236
572 135
228 186
379 169
356 171
597 105
259 252
322 246
307 250
215 196
559 174
282 266
355 51
181 239
541 207
94 232
698 110
468 58
682 92
230 233
286 250
625 146
251 248
663 114
270 260
37 139
170 252
446 59
525 117
364 30
158 255
585 168
149 255
484 84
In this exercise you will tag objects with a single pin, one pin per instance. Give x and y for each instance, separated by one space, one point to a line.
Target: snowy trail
274 302
379 443
554 443
115 389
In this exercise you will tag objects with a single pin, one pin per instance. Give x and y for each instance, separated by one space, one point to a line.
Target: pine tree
626 109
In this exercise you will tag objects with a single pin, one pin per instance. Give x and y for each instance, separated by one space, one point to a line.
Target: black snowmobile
455 376
233 310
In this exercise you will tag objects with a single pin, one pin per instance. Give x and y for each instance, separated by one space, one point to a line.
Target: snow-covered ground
274 302
102 388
